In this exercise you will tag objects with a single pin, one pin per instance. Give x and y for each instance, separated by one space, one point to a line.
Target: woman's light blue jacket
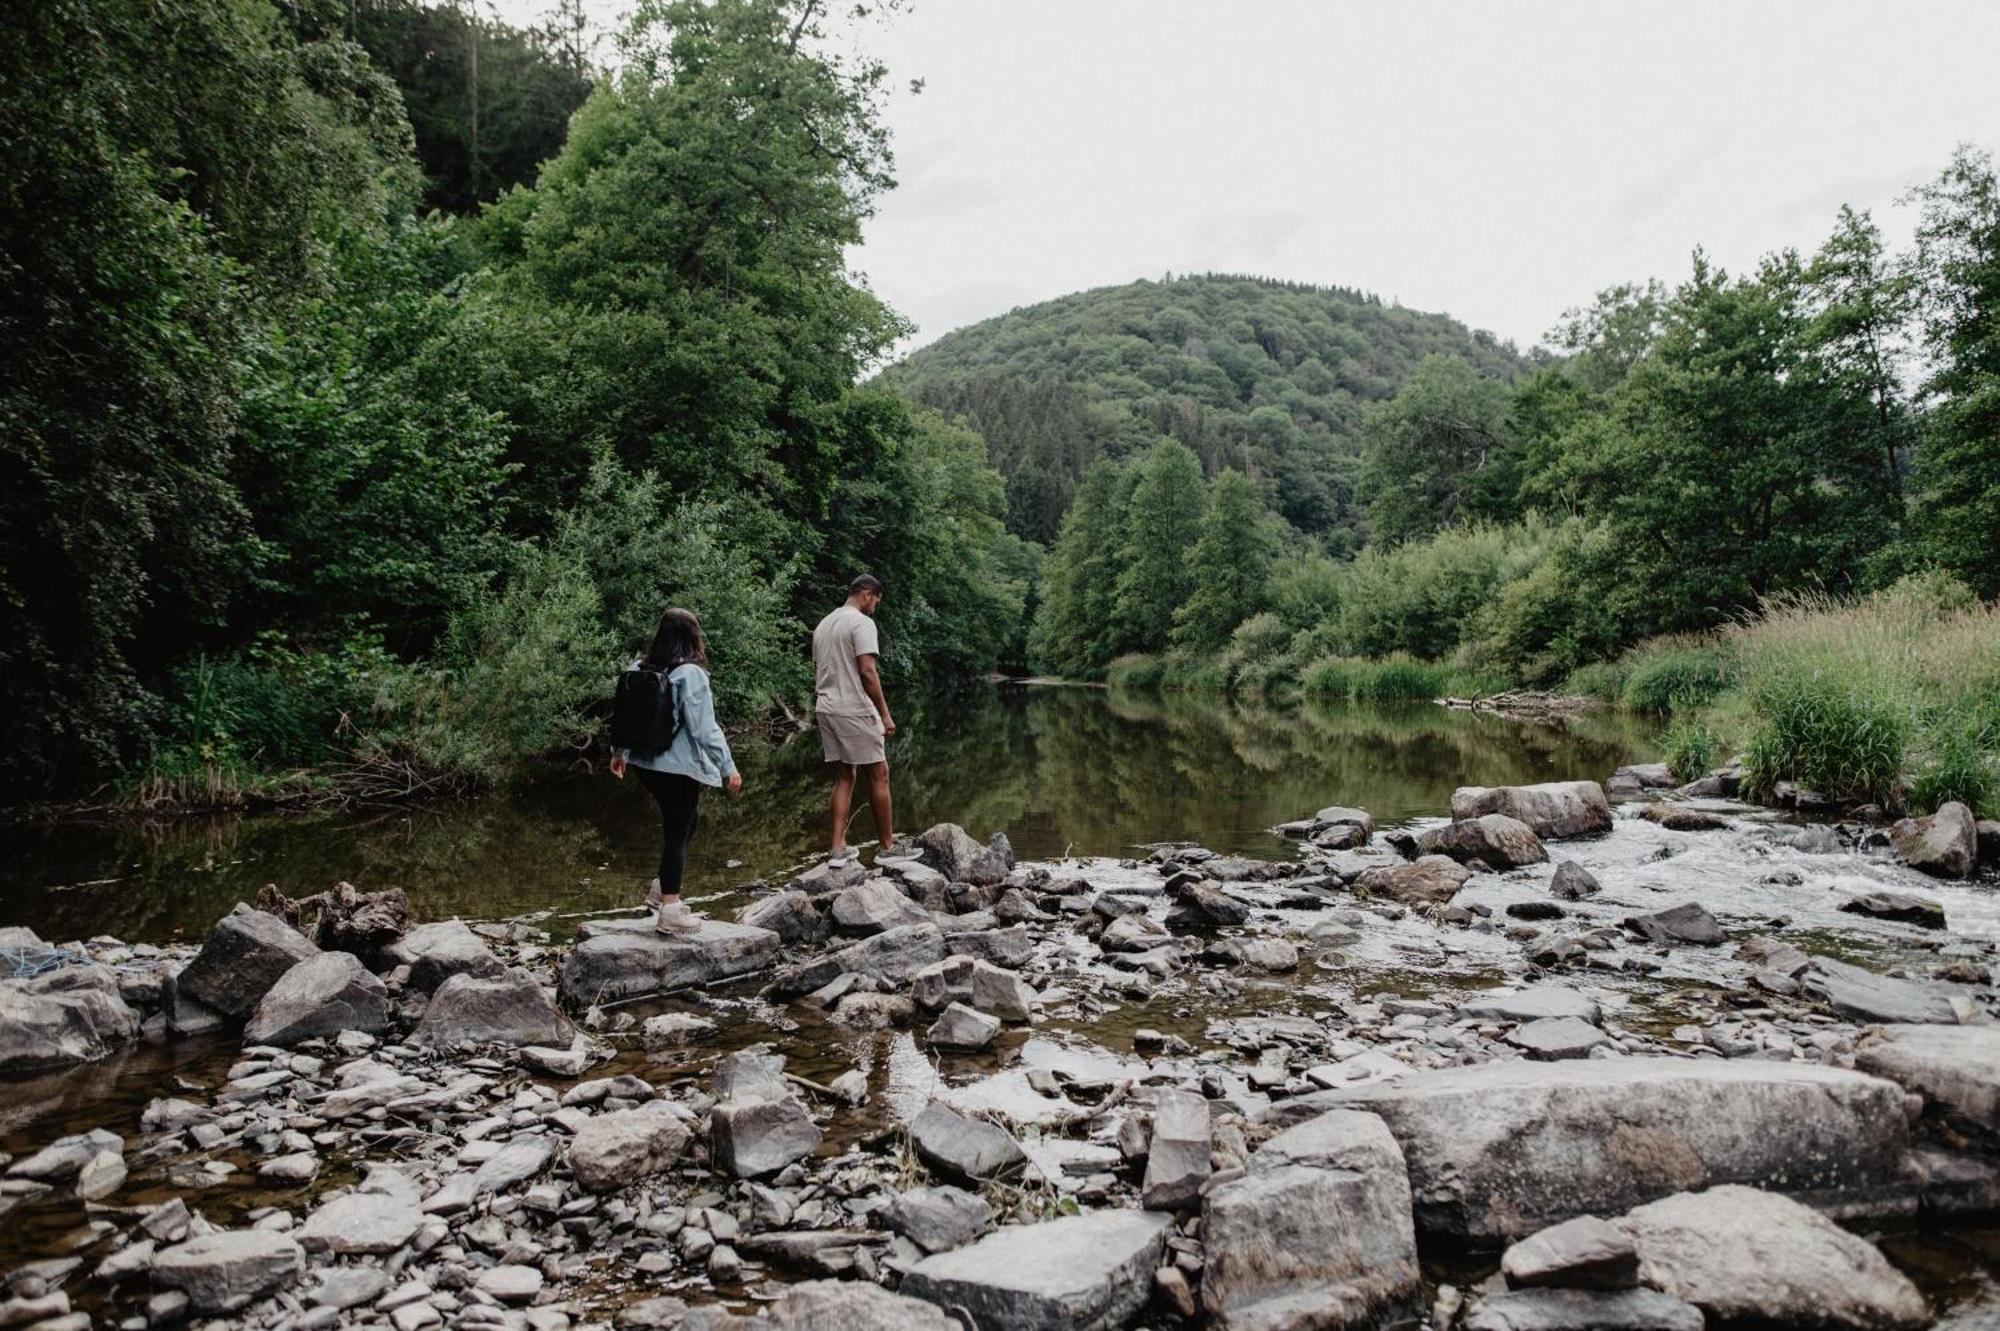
699 749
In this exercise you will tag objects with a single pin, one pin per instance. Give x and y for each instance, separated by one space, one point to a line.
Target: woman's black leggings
679 798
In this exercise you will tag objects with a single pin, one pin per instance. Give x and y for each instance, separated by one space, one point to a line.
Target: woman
699 756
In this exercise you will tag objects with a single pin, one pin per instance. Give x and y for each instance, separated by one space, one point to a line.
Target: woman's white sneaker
676 918
653 896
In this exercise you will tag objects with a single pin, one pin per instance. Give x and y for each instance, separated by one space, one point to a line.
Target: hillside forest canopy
374 373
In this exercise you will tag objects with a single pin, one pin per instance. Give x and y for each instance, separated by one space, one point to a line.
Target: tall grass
1397 676
1136 670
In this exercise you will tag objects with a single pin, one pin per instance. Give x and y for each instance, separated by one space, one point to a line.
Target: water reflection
1057 768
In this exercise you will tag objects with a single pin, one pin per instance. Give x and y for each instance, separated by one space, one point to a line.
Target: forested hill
1269 377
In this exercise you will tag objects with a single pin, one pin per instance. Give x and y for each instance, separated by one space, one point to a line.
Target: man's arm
871 681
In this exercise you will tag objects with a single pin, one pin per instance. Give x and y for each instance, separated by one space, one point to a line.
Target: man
854 720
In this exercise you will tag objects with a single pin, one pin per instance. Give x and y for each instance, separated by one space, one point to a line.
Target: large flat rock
73 1015
1081 1273
1552 809
619 959
1955 1068
1500 1150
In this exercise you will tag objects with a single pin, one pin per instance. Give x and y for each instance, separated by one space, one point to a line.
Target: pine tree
1072 627
1161 527
1231 566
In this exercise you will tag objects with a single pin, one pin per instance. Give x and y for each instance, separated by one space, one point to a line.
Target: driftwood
348 919
1525 705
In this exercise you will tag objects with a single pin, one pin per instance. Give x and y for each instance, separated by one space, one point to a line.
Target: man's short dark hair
867 582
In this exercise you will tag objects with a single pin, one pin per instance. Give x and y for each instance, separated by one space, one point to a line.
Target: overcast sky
1498 161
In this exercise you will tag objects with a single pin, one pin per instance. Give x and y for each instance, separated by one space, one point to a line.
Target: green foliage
1260 658
1437 452
1231 566
1163 519
1136 670
1677 674
1691 750
1825 735
1602 680
1073 630
1398 676
1424 597
1957 762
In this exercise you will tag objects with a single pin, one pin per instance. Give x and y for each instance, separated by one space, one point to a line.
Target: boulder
224 1271
1080 1273
1689 922
1746 1257
364 923
74 1015
963 1148
751 1138
1136 932
1494 839
1002 947
1955 1068
1317 1232
1573 882
875 904
1988 834
790 915
938 1219
321 996
1680 818
963 1029
851 1305
950 850
246 953
1177 1153
1863 995
1557 1037
975 983
1584 1253
1531 1004
1425 881
1944 845
1499 1150
1582 1310
750 1074
438 951
1272 955
1338 815
1203 905
508 1010
1554 810
373 1223
1641 776
618 959
615 1149
828 877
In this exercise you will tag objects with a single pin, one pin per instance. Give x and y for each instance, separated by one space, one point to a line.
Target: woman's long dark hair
678 641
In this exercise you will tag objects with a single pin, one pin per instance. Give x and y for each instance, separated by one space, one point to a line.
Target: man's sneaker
653 897
676 918
898 848
845 855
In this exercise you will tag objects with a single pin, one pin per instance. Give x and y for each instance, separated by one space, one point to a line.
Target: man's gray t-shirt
840 638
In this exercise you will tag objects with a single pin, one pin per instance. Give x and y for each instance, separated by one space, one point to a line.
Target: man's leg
878 800
843 801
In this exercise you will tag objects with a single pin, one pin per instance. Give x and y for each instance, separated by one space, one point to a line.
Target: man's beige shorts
852 739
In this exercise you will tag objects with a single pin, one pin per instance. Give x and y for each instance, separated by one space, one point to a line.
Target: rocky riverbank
1667 1061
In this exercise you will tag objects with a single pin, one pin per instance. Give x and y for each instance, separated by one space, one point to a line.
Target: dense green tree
1860 303
1437 452
1230 565
1072 631
1162 523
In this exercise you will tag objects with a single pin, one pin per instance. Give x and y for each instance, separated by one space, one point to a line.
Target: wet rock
1177 1162
828 877
963 1028
952 852
510 1283
1584 1253
1317 1231
963 1148
319 997
975 983
790 915
1681 818
1554 810
1534 910
100 1176
74 1015
752 1138
508 1010
1531 1004
1001 947
376 1223
65 1157
1944 845
224 1271
1898 906
363 923
873 905
1557 1037
1133 933
1744 1256
1637 777
1582 1310
938 1219
1597 1136
1202 905
874 1012
619 1148
1493 839
618 959
670 1029
750 1074
1573 882
1987 832
348 1286
1425 881
247 953
894 954
852 1305
438 951
1272 955
1689 922
1337 815
1865 996
1079 1273
1955 1068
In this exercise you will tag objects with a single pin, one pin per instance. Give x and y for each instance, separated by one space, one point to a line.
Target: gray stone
1205 906
950 850
1531 1004
1744 1256
1080 1273
790 915
1009 947
1573 882
65 1157
1955 1068
1177 1153
894 954
348 1286
1644 776
1554 810
244 956
1494 839
873 905
852 1305
1676 817
963 1028
938 1219
224 1271
1135 932
321 996
100 1176
1557 1037
751 1138
70 1016
1689 922
1273 955
975 983
1426 881
1582 1310
1898 906
828 877
376 1223
1499 1150
1944 845
1317 1232
1584 1253
1338 815
1987 831
619 959
438 951
961 1147
510 1009
673 1028
624 1146
750 1074
1865 996
510 1282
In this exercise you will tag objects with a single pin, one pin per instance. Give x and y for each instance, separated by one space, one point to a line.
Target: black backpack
644 718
